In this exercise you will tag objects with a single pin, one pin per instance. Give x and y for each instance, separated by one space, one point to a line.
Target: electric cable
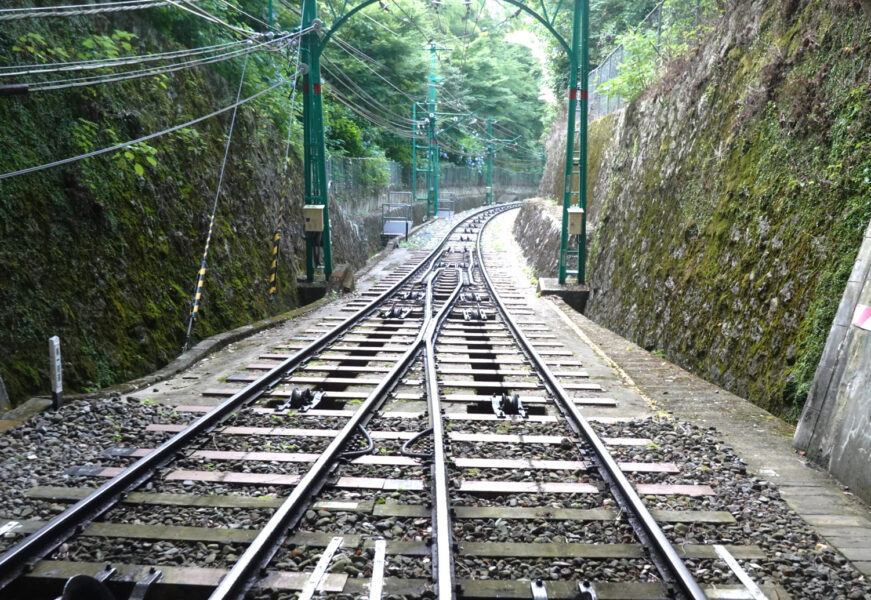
363 93
201 274
148 72
188 6
10 14
342 45
101 63
144 138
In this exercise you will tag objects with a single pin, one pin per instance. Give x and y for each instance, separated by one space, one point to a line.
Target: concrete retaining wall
835 425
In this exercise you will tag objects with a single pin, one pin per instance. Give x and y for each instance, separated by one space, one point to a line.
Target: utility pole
419 158
432 198
314 152
576 163
490 155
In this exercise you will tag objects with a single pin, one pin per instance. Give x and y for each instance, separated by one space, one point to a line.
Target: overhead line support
314 149
576 162
491 154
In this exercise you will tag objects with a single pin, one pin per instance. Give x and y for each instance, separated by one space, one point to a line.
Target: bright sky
531 41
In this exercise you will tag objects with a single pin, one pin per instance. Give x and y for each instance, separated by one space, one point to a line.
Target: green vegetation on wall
731 199
104 252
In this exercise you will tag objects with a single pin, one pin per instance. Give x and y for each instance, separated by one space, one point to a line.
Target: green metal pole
413 152
570 134
314 150
271 14
490 153
433 195
582 155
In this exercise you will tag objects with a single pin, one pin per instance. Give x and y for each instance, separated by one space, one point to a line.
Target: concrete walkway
762 440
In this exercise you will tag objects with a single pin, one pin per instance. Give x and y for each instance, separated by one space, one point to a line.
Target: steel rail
60 528
443 565
244 573
663 555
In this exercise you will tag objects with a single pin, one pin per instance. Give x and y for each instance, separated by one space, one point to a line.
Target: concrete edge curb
210 345
206 347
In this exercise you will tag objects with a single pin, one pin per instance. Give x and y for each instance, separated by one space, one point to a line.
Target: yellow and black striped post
276 244
201 276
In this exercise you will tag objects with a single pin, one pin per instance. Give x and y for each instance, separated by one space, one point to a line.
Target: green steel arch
314 153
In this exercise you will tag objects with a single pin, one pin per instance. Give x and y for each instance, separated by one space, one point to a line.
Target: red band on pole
584 95
573 94
317 88
305 88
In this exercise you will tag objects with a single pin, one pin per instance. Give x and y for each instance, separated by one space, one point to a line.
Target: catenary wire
148 72
144 138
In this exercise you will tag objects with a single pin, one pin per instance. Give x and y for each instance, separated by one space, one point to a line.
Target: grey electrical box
314 217
576 221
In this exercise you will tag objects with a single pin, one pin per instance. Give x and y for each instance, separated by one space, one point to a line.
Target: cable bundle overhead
75 10
145 138
244 48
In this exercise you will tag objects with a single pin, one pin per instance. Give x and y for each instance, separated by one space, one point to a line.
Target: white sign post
55 374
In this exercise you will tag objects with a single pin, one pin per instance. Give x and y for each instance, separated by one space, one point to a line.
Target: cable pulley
505 405
302 400
395 312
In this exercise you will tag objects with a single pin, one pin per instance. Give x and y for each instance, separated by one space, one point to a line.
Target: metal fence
361 185
664 33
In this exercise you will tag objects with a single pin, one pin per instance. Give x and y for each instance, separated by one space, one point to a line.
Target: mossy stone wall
728 202
104 252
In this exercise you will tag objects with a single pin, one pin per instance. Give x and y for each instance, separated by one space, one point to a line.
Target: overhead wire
250 16
336 72
370 115
384 79
144 138
188 6
150 71
9 14
101 63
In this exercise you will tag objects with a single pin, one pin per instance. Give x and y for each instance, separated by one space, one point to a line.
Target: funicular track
410 301
371 463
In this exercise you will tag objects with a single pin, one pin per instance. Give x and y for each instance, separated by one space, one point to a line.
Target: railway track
383 456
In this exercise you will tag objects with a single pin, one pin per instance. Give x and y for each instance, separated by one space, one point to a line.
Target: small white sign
56 374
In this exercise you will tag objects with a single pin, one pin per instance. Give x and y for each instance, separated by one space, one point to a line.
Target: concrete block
309 292
341 280
573 294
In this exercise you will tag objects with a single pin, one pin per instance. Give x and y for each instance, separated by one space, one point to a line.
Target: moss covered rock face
104 252
729 201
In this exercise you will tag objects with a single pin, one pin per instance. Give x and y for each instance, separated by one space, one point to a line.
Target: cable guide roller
505 406
302 400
